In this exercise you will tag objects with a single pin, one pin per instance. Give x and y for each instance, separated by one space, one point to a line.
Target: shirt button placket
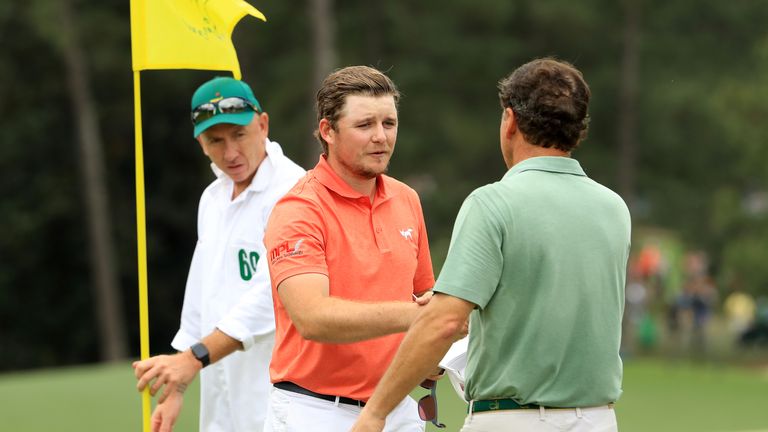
381 241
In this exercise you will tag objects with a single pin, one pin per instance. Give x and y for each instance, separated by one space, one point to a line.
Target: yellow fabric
187 34
741 306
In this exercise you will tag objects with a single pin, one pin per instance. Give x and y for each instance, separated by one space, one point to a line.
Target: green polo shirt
543 255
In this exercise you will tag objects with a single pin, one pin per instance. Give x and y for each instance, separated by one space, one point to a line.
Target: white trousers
294 412
597 419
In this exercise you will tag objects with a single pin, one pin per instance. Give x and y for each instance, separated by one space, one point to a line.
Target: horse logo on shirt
407 233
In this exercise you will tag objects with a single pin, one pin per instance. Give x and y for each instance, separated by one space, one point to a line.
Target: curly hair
550 100
351 80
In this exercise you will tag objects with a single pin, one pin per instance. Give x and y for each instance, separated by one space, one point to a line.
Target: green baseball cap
218 89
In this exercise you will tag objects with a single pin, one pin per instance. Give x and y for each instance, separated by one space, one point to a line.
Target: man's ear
509 122
326 130
202 146
264 123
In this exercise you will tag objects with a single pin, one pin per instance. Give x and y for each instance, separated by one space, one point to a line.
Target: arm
472 268
189 328
176 371
252 318
165 414
319 317
427 341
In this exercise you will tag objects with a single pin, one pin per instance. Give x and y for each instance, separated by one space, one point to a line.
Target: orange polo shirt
369 251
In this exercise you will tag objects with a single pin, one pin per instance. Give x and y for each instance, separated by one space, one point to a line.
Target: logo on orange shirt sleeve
284 250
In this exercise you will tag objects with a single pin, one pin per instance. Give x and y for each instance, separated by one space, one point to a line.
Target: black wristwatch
201 353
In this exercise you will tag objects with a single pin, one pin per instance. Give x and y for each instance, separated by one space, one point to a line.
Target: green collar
556 164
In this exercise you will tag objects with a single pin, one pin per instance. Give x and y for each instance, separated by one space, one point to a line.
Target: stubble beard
369 173
362 171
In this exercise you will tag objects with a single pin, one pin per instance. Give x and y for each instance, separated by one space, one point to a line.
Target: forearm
220 345
425 344
320 317
176 371
335 320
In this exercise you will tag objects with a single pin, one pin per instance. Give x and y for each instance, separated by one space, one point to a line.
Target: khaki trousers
596 419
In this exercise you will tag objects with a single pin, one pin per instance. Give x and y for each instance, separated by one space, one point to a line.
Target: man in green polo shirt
538 262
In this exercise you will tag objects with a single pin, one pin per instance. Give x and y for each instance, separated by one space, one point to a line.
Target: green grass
87 398
658 397
668 397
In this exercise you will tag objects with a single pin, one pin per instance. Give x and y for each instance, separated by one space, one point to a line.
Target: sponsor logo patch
285 250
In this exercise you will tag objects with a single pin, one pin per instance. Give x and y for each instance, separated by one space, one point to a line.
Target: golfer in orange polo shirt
348 253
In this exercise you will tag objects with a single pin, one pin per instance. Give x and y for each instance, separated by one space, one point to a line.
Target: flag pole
141 234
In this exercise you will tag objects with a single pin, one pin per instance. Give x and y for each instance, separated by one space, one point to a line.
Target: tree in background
698 138
106 290
324 56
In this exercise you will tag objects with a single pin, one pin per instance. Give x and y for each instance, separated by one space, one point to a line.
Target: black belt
291 387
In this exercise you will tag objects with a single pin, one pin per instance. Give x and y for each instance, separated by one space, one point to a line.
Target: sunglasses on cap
428 404
230 105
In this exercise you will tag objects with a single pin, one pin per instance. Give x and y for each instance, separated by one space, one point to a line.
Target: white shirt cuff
183 340
236 330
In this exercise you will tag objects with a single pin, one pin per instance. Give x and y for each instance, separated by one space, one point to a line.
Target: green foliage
701 151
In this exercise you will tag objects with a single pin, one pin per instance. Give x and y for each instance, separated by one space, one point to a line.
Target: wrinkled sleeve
252 319
189 330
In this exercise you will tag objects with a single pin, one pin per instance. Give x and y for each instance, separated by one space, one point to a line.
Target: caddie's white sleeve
252 319
189 331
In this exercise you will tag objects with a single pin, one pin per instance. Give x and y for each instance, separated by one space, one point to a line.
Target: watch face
201 353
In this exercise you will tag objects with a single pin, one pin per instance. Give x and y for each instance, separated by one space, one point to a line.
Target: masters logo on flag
186 34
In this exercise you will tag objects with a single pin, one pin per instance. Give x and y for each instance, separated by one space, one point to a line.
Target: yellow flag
186 34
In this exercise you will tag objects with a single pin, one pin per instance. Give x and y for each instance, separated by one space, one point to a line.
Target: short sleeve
295 239
474 263
424 278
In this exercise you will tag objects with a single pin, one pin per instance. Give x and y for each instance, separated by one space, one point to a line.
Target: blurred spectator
696 302
649 262
635 311
739 309
757 334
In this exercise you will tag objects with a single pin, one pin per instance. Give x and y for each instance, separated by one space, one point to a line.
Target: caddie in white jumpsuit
227 322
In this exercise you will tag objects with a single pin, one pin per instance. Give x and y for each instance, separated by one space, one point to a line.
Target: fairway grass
668 397
658 397
684 397
85 398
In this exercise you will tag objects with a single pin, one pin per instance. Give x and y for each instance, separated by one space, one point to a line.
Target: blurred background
678 128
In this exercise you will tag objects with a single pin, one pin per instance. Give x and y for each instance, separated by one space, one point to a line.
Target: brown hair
351 80
550 99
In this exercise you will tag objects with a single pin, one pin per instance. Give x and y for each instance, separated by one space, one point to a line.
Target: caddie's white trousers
596 419
294 412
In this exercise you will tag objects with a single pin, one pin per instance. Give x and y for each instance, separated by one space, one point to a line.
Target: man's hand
436 374
166 413
174 371
423 299
366 422
463 332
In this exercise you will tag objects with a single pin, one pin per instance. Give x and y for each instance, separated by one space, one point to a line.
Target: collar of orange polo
328 177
